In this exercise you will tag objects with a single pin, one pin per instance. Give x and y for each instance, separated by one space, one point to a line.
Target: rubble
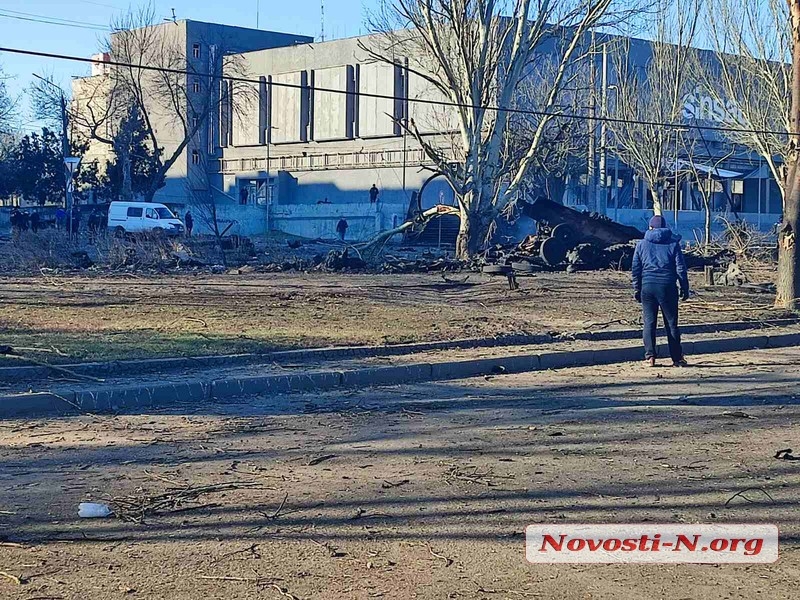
337 260
423 264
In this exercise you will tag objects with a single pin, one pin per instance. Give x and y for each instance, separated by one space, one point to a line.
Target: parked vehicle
138 217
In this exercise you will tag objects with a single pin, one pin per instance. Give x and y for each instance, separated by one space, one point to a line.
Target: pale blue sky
342 18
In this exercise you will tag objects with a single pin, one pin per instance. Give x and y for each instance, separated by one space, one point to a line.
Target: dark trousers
665 297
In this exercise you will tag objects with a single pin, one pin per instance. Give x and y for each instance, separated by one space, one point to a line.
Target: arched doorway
442 231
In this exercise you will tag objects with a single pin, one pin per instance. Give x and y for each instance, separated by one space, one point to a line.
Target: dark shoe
651 362
680 363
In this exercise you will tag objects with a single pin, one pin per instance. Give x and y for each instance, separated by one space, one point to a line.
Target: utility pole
591 166
602 206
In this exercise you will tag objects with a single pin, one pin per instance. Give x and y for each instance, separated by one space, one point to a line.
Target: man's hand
685 294
637 295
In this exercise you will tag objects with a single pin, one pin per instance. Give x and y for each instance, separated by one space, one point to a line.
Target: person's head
658 222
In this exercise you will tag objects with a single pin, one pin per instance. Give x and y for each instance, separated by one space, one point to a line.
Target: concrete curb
112 399
18 374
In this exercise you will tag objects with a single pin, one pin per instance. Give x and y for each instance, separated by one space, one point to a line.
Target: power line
20 16
521 111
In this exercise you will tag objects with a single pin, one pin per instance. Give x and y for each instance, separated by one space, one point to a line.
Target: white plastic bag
94 510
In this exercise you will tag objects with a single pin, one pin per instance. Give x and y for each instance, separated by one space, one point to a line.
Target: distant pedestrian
341 228
35 221
24 221
14 221
373 194
658 264
95 222
61 219
188 220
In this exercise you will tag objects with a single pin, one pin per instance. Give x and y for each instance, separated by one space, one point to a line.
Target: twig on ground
390 484
51 350
333 552
277 513
447 561
743 497
360 513
11 577
319 459
42 363
472 475
283 592
136 508
257 580
252 548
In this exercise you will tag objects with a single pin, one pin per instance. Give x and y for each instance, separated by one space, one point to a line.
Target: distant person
24 221
95 222
373 194
244 195
61 218
658 265
341 228
35 221
188 220
14 221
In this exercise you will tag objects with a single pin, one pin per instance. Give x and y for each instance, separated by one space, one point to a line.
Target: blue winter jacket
658 260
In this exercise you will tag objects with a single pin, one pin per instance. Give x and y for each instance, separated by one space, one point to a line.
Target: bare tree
153 85
8 107
757 78
692 146
476 53
646 98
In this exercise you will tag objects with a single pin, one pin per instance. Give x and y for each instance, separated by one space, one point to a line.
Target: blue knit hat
658 222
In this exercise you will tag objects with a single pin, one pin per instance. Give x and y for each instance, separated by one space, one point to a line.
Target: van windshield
164 213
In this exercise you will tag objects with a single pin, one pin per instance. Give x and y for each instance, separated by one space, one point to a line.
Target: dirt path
410 492
104 319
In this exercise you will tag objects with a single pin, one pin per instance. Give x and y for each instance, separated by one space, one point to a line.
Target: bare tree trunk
658 193
473 229
706 224
788 278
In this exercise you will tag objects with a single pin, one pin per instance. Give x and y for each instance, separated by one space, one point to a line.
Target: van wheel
119 232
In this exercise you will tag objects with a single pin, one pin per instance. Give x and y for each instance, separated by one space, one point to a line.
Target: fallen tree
420 221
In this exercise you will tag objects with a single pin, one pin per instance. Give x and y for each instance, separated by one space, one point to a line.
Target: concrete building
300 158
195 47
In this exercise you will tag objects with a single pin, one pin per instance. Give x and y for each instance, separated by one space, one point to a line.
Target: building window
195 157
196 86
195 122
196 50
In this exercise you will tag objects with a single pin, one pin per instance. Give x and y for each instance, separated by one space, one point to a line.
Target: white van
136 217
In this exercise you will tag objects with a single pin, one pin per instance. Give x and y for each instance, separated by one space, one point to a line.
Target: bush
51 249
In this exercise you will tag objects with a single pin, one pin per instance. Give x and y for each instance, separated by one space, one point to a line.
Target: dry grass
136 317
51 250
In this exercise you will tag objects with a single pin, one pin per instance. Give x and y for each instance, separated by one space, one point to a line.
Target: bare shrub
48 249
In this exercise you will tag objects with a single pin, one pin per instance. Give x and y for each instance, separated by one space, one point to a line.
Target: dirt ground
419 491
135 317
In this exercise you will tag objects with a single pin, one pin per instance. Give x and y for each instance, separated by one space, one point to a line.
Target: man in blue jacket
658 265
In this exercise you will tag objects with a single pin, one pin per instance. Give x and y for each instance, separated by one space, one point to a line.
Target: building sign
700 106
